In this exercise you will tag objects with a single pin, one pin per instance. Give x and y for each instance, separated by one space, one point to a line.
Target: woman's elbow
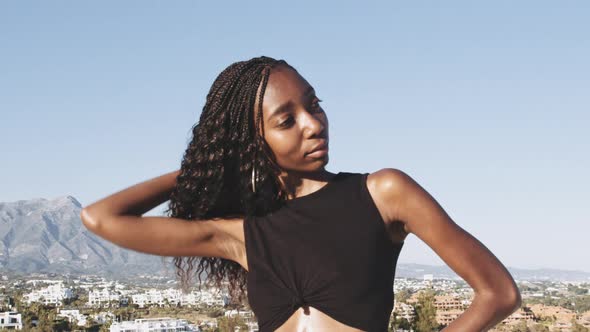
516 299
509 301
502 301
88 220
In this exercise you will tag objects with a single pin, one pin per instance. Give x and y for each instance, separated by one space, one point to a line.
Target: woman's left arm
496 293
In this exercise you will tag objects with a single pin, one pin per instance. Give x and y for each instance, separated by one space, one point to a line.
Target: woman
316 249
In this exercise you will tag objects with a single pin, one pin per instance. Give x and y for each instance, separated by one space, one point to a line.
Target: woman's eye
317 104
287 122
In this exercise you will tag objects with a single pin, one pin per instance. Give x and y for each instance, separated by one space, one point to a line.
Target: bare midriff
308 319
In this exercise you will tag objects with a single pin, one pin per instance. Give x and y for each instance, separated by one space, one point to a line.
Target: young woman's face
294 122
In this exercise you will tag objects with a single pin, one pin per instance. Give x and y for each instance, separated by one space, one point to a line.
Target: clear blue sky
486 105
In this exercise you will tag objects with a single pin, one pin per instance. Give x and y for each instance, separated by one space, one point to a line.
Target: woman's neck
298 184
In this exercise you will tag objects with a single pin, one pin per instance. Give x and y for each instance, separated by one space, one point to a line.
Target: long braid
214 179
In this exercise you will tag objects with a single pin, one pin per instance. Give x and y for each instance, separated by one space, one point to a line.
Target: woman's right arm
118 219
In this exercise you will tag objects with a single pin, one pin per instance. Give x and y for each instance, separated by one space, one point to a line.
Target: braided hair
215 174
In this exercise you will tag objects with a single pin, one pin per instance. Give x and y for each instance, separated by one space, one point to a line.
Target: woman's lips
318 153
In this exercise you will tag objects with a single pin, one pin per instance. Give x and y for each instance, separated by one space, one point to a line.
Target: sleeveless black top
329 250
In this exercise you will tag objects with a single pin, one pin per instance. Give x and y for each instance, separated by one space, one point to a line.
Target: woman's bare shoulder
387 178
384 186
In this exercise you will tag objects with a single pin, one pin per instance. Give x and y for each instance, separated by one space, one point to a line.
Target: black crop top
329 250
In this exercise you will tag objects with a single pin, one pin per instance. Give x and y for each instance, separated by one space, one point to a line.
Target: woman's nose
314 126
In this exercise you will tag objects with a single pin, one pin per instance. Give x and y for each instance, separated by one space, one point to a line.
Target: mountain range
41 235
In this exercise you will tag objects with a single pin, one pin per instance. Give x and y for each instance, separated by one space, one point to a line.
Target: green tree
577 327
78 302
106 327
230 323
45 323
539 328
425 313
399 323
28 315
403 295
214 313
577 290
521 327
581 303
62 325
393 323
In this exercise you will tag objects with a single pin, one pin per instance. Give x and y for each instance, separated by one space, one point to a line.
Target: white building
210 298
103 317
11 320
403 310
51 295
165 324
150 297
252 326
100 297
73 315
239 313
190 299
175 297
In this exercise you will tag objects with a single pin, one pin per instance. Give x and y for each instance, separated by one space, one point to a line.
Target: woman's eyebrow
281 109
285 107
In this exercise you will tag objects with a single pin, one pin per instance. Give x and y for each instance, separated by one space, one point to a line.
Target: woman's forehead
284 84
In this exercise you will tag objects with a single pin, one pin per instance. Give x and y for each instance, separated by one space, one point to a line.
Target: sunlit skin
299 125
290 134
404 205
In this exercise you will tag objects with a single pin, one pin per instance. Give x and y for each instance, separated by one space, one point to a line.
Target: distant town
52 302
55 275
